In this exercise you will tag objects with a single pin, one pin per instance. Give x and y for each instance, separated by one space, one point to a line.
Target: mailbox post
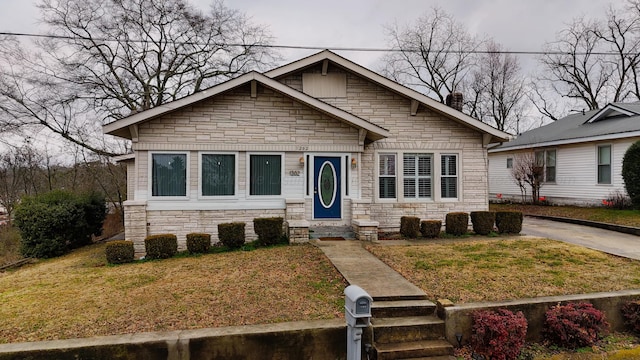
357 311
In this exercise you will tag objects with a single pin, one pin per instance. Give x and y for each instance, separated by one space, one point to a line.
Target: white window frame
378 176
436 176
235 175
610 183
545 165
248 175
417 197
457 177
187 180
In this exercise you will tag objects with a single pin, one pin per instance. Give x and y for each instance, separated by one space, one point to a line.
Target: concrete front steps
329 232
406 328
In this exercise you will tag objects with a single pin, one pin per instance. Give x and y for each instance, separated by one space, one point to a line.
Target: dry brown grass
479 270
78 295
599 214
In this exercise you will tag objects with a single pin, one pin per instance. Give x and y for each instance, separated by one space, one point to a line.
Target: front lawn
79 295
496 270
599 214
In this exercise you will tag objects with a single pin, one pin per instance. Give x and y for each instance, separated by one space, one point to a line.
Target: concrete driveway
608 241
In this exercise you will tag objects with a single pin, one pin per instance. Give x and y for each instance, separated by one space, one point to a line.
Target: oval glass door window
327 181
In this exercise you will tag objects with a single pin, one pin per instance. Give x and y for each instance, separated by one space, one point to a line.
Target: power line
336 48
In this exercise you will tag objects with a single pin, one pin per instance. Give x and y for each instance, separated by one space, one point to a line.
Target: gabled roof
122 128
439 107
614 121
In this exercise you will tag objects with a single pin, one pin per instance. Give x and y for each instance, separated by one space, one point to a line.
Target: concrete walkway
620 244
359 267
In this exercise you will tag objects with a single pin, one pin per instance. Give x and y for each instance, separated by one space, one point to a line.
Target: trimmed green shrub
161 246
269 230
483 221
631 314
232 235
574 325
457 223
498 335
430 228
119 252
198 243
509 222
410 226
631 173
50 224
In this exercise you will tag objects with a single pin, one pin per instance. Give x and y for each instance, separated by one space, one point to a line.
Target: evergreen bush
269 230
509 222
631 173
198 243
232 235
457 223
410 226
483 221
430 228
119 252
161 246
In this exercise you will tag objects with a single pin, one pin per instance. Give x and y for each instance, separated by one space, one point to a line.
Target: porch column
135 224
296 225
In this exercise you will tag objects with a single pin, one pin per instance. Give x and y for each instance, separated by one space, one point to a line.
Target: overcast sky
522 25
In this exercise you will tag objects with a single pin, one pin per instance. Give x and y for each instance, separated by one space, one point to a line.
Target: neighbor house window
547 159
169 174
509 163
449 176
265 174
218 174
387 176
604 164
417 175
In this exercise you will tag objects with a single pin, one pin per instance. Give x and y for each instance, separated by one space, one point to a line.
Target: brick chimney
455 100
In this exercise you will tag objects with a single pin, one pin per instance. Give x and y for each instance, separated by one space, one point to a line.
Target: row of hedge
231 235
457 223
500 334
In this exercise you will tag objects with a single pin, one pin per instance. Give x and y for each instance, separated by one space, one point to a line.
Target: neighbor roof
616 120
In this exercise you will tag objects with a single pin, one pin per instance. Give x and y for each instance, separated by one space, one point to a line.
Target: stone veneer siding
426 132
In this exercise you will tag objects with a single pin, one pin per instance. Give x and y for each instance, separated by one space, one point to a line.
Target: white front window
417 176
169 174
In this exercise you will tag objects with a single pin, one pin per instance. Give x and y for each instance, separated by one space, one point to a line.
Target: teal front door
327 200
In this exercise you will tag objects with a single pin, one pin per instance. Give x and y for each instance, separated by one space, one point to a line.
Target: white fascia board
377 131
570 141
391 85
605 110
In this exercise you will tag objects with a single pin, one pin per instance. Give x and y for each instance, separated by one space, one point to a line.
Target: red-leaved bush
574 325
631 313
498 335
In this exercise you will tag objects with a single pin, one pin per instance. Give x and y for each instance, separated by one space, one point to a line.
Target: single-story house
321 141
581 156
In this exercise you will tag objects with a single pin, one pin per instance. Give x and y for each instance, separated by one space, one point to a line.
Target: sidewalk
359 267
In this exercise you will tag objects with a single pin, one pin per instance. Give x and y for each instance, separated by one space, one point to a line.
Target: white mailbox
357 306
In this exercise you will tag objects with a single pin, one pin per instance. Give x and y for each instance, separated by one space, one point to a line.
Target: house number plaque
294 173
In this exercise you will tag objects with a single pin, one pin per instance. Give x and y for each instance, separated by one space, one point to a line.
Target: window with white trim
448 176
169 174
387 176
417 170
604 164
265 174
547 160
218 172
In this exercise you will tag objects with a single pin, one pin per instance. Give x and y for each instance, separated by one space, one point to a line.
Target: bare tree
432 55
497 90
527 171
107 59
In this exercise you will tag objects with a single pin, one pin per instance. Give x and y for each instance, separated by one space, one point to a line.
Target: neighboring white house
581 155
321 141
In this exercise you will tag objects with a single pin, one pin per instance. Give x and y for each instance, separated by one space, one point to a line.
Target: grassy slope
600 214
78 295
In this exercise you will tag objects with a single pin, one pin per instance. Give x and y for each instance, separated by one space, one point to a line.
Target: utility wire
336 48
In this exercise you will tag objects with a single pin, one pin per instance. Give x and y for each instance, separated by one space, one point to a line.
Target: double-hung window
387 176
417 176
547 160
449 176
218 174
604 164
169 174
265 174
